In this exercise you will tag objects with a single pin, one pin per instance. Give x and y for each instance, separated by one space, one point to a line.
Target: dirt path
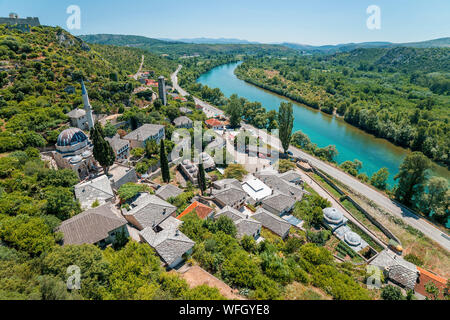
196 276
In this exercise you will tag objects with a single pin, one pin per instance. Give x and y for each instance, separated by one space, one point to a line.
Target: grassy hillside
404 59
177 49
37 67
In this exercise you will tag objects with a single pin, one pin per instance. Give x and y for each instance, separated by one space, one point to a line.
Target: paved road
208 109
135 77
377 197
380 199
336 204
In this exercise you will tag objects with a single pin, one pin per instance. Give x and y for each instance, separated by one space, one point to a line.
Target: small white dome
352 239
332 215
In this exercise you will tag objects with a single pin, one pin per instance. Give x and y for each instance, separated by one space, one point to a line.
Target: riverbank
288 91
398 212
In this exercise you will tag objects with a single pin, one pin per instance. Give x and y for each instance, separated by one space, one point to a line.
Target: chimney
177 233
165 211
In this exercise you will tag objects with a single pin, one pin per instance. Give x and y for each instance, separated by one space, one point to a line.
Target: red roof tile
201 210
214 122
426 277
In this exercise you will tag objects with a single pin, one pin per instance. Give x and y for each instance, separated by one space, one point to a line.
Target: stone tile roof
76 113
91 226
247 227
170 243
150 211
168 191
221 184
98 189
244 224
279 184
230 196
272 222
144 132
185 110
404 276
398 269
117 143
279 202
181 121
291 176
231 213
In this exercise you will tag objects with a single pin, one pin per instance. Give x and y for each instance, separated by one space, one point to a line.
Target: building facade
162 90
75 151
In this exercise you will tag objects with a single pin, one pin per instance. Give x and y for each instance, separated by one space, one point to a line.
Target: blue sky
315 22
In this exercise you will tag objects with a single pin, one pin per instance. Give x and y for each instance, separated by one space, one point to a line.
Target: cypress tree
103 152
164 163
201 177
286 124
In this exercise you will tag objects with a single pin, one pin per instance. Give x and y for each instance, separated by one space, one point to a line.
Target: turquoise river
323 130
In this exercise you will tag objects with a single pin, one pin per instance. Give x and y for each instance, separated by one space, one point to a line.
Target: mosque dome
332 215
71 136
352 239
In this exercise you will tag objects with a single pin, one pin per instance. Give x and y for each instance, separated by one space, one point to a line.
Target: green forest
39 82
175 49
400 94
40 74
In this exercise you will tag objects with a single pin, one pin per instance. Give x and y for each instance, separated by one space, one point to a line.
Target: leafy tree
164 163
28 234
52 288
89 258
151 149
248 244
60 202
110 130
412 178
201 178
235 171
103 152
379 179
203 292
130 190
285 165
391 292
234 111
432 290
437 199
134 273
137 152
120 240
240 270
286 124
226 225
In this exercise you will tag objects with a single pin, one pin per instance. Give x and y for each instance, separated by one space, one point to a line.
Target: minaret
87 106
162 90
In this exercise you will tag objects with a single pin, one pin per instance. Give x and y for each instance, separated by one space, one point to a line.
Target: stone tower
87 106
162 90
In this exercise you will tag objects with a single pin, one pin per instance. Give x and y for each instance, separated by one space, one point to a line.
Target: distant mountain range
211 41
436 43
207 46
178 48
